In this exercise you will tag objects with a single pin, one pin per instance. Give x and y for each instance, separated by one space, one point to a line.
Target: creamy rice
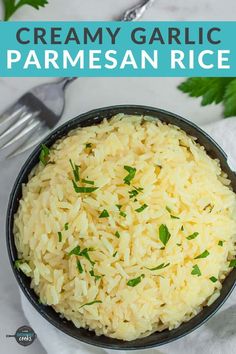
144 251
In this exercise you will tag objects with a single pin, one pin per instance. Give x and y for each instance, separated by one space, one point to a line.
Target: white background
88 93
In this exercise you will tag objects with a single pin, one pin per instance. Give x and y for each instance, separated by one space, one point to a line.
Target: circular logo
25 335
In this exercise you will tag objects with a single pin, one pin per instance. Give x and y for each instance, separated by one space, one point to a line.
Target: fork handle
65 81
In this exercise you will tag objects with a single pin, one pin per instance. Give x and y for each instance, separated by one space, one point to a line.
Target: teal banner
116 49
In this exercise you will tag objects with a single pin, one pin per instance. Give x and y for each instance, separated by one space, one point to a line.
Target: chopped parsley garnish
133 193
79 266
75 251
87 181
232 263
164 234
178 244
142 208
83 189
131 173
66 226
88 145
192 236
135 281
174 217
97 277
75 169
220 243
170 212
196 270
114 254
84 253
117 234
104 214
91 303
44 154
182 228
203 255
122 213
17 263
59 236
138 189
160 266
213 279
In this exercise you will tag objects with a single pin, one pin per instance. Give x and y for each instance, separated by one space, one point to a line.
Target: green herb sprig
134 282
203 255
11 6
164 234
91 303
131 173
160 266
196 270
44 154
213 90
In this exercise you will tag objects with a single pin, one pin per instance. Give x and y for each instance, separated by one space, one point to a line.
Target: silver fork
27 121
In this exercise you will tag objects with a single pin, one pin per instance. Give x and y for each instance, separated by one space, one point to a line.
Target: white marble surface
88 93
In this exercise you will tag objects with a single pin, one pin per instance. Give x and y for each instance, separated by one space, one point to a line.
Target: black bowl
91 118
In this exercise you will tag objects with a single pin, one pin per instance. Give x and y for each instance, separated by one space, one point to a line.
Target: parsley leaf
117 234
160 266
44 154
192 236
91 303
230 99
135 281
164 234
203 255
83 189
88 145
59 236
130 176
142 208
97 277
11 6
232 263
66 226
87 181
75 169
85 254
133 193
220 243
79 266
213 90
172 216
104 214
75 251
17 263
213 279
196 270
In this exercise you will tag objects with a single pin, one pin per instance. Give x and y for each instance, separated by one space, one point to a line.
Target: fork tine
10 116
41 133
15 128
19 139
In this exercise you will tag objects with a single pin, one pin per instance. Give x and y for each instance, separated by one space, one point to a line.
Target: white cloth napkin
217 336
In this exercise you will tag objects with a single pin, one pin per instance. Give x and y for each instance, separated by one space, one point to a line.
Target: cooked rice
174 172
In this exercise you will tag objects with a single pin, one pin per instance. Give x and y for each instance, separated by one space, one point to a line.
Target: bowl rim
49 140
